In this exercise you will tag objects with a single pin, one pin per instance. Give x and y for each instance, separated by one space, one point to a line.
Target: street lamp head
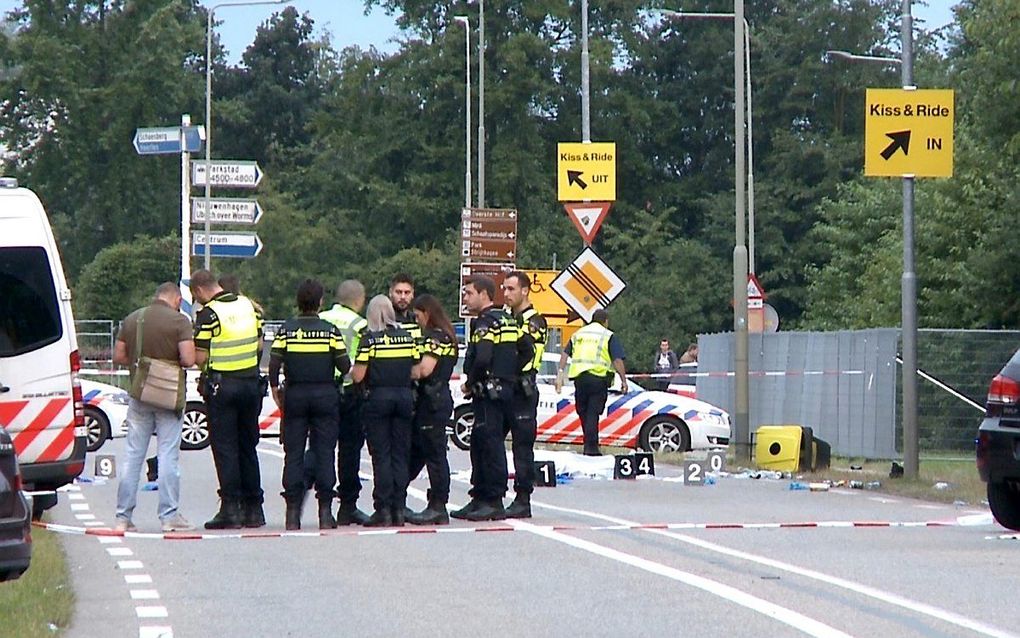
853 57
463 20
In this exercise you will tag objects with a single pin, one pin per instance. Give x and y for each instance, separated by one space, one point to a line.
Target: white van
40 397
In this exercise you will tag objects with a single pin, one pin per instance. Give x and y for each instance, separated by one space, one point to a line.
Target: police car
105 408
647 419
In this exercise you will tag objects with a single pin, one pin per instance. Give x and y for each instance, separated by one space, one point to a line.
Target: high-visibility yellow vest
589 351
539 334
236 347
351 325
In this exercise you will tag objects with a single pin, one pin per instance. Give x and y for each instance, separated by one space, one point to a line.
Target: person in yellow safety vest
516 286
594 353
228 336
350 299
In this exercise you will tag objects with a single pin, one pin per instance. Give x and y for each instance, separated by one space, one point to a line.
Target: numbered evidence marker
545 474
106 465
716 461
629 466
694 472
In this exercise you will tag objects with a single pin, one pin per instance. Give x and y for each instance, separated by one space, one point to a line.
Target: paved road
561 573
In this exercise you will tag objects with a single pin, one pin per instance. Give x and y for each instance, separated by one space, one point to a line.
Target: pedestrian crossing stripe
588 284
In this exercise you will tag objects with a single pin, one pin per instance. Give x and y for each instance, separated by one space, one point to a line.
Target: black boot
488 511
350 515
293 521
229 516
326 520
463 512
434 514
253 515
380 518
521 507
399 515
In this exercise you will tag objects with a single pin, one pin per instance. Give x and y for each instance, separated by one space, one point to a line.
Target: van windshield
29 312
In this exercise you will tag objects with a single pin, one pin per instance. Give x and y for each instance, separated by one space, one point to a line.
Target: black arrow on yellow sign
574 177
900 139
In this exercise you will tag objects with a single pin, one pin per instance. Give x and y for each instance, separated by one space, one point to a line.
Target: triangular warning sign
754 289
587 217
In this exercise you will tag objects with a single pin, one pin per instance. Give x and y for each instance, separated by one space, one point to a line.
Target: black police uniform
525 424
310 351
390 355
491 364
233 400
433 409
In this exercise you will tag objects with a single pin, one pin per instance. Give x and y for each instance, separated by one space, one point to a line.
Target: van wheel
97 428
1004 501
463 419
195 431
41 503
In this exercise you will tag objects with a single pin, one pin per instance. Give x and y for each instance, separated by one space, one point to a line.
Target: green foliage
124 276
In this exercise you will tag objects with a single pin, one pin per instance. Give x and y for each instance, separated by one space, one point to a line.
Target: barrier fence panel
95 342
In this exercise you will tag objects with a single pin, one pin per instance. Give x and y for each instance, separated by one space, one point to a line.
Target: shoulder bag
156 382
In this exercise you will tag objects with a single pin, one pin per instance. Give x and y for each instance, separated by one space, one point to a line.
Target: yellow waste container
778 447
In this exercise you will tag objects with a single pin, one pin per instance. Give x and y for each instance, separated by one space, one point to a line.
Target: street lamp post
585 76
741 412
750 131
908 280
481 103
466 23
208 111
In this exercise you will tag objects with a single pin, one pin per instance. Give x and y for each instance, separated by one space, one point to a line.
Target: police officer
516 289
386 364
594 352
228 335
311 350
401 295
350 299
433 408
491 365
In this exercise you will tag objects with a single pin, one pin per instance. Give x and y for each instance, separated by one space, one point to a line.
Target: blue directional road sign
227 244
167 140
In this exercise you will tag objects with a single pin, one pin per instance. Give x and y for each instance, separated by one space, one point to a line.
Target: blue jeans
143 420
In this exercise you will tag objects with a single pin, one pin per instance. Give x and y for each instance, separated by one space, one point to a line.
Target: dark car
998 445
15 515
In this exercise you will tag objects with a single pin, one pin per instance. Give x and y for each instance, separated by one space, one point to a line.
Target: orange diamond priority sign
588 284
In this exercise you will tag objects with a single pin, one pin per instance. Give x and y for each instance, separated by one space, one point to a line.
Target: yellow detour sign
545 300
588 284
586 172
908 133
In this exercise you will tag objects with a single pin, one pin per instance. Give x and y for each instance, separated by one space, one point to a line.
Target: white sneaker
177 523
125 525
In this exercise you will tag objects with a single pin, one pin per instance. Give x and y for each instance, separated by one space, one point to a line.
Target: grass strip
41 602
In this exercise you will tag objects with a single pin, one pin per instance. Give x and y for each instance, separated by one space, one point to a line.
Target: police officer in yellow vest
350 299
228 336
516 289
594 353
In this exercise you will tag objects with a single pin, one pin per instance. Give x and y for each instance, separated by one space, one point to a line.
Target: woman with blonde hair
386 364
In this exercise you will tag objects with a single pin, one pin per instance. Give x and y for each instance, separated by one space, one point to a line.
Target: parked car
15 514
646 419
105 408
998 445
40 394
195 433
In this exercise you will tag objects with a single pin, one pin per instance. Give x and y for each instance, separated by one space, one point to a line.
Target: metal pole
585 77
467 108
185 203
750 152
911 459
208 132
741 413
481 103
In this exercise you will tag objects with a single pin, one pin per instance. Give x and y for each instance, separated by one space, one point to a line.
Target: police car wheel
195 432
664 434
97 429
463 419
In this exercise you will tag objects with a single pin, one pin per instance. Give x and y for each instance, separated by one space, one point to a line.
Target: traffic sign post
545 300
587 217
495 271
227 173
588 284
908 133
488 234
755 304
227 211
168 140
586 171
227 244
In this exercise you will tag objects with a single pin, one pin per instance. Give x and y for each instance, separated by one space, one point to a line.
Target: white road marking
129 564
110 540
93 523
137 579
151 612
871 592
79 507
144 594
85 517
119 551
76 496
155 632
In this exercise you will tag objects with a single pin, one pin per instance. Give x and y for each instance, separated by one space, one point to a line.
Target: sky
347 23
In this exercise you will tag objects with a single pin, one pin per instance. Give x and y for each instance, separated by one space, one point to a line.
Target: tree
124 276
